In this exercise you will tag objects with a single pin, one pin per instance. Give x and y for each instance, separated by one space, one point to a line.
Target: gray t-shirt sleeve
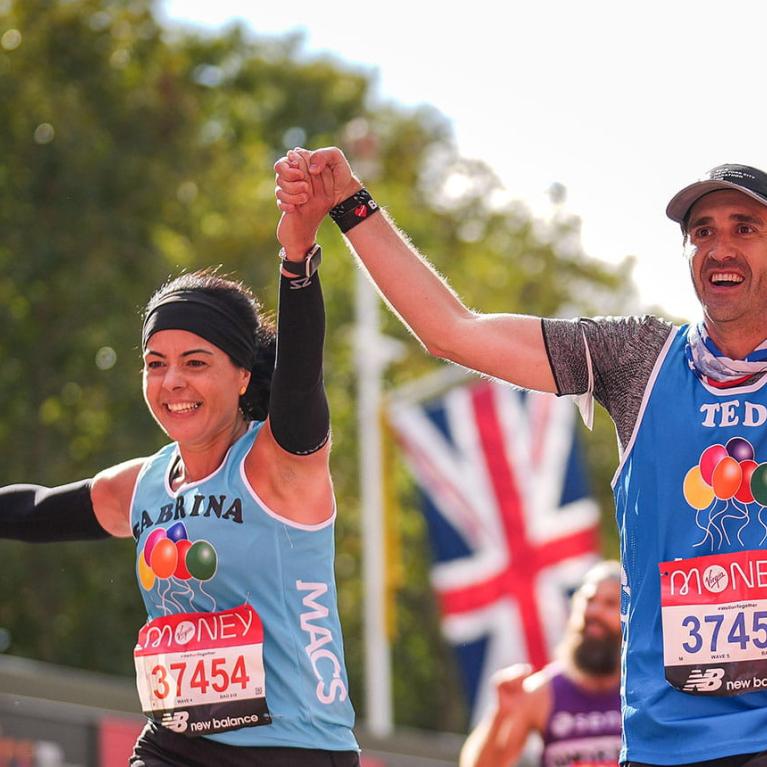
623 353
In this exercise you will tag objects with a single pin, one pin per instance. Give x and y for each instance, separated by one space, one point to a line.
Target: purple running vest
584 728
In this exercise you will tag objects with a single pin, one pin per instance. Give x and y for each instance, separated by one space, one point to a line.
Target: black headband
207 317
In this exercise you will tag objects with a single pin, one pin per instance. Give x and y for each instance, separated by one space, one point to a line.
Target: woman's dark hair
239 299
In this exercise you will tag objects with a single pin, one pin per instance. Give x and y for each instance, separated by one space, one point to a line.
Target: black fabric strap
41 515
298 406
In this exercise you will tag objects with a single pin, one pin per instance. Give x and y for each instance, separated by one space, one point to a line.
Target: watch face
305 268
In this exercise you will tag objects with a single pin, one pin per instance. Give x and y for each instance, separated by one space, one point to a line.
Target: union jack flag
512 526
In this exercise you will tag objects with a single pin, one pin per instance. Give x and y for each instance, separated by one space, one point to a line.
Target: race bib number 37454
201 673
714 613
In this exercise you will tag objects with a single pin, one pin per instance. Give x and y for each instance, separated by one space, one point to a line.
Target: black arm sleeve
41 515
298 407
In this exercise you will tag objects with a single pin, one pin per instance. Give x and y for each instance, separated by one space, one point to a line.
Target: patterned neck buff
708 362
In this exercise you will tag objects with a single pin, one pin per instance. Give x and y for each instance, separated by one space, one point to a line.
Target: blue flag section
512 525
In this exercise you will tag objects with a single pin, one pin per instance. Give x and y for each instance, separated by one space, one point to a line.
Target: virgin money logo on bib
715 579
193 631
185 632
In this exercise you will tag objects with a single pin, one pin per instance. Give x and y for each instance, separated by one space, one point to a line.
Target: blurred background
137 140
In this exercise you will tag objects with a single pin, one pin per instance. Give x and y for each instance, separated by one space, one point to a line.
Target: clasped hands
307 185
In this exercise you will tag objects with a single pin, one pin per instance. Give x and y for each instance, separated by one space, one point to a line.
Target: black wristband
41 515
354 210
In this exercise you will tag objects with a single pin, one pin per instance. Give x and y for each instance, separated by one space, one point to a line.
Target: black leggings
739 760
159 747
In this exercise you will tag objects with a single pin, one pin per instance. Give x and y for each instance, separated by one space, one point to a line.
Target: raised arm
507 346
522 706
289 464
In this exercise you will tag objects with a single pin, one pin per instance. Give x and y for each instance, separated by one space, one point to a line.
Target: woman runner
241 659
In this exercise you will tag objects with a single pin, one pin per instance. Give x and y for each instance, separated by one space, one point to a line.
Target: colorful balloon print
201 560
152 539
710 459
744 494
740 449
177 532
164 558
726 478
170 554
145 574
697 492
181 571
728 490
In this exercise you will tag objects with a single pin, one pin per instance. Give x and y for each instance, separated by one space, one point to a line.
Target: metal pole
371 360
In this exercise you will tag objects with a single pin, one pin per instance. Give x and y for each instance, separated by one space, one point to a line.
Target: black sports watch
305 268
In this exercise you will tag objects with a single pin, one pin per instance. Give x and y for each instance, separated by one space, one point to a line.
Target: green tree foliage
130 153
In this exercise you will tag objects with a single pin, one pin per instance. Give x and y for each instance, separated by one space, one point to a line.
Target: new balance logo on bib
704 681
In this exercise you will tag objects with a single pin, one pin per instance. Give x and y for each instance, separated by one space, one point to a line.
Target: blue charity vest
693 533
240 553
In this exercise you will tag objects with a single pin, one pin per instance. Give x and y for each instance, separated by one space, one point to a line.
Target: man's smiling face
726 245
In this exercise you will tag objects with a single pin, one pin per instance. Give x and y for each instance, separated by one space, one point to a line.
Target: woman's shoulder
111 494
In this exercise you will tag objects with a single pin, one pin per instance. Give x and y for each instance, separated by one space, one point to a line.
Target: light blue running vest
282 569
682 417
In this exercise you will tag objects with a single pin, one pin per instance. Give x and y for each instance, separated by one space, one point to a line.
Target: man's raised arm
506 346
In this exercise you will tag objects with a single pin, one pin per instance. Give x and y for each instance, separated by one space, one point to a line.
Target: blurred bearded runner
511 522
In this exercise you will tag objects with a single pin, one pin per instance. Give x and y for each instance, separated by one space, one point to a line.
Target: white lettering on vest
756 415
729 416
732 413
318 637
710 411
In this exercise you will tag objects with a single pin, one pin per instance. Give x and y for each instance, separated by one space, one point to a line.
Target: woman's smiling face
191 387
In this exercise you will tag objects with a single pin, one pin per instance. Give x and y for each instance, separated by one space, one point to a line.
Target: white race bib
201 673
714 612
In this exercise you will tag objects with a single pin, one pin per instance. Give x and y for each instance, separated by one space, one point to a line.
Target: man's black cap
743 178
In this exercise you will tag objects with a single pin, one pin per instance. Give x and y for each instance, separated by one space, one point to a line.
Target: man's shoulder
631 322
609 332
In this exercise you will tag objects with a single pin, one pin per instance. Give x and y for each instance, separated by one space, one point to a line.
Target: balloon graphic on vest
146 575
182 571
759 484
164 558
154 538
730 487
201 560
177 532
177 567
697 492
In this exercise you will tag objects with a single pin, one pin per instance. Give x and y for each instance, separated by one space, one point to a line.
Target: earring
243 390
